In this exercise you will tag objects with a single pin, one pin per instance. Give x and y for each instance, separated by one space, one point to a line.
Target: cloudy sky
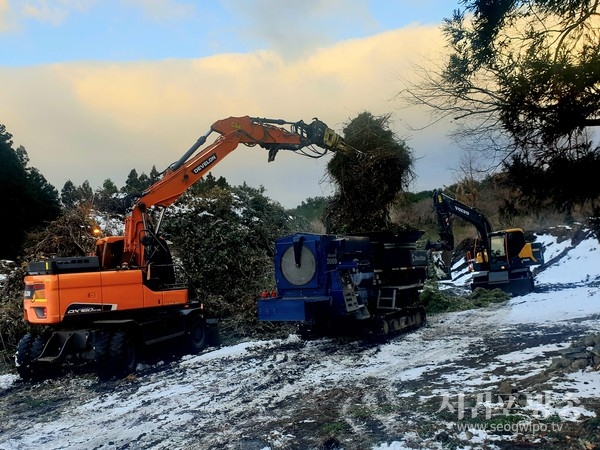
93 89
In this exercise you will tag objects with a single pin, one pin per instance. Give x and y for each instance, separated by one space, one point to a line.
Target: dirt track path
327 393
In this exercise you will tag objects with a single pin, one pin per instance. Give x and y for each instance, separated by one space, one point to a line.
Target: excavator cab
159 270
109 251
505 247
509 249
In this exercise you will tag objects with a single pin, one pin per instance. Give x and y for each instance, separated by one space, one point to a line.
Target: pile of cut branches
69 235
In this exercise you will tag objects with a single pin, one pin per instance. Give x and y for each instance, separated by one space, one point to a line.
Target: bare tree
521 81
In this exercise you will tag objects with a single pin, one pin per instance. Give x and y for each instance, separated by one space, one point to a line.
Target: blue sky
115 85
41 32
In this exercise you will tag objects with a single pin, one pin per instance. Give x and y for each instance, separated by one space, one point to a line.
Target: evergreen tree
84 193
224 239
521 82
144 182
44 196
311 209
207 183
29 200
154 175
107 198
132 184
109 187
68 194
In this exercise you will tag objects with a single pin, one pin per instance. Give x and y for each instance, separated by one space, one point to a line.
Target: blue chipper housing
367 281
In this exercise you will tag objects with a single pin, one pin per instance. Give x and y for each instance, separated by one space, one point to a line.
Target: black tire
101 355
23 357
37 347
122 354
195 335
28 349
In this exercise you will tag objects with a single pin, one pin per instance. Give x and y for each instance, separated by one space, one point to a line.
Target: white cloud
6 19
84 121
53 12
294 28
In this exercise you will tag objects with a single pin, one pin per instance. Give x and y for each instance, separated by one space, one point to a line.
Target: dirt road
329 393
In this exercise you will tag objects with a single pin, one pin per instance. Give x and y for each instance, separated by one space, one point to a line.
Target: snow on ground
283 394
5 267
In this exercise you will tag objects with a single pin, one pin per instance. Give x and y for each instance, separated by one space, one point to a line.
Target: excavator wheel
28 349
195 335
101 357
123 355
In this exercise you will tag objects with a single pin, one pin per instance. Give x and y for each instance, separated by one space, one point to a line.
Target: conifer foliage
224 238
28 200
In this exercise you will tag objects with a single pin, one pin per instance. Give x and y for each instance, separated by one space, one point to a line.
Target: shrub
224 239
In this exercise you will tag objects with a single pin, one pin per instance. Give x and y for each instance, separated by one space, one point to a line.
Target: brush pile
369 181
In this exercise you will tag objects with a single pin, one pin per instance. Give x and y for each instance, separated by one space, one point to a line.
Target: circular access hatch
301 275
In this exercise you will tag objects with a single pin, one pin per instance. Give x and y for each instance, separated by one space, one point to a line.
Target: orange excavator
108 308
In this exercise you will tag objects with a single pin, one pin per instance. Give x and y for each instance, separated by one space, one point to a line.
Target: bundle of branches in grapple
369 180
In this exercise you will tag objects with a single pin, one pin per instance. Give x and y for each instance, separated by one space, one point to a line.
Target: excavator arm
445 206
270 134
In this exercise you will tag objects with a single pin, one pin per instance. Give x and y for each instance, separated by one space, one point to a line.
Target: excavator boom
270 134
446 206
